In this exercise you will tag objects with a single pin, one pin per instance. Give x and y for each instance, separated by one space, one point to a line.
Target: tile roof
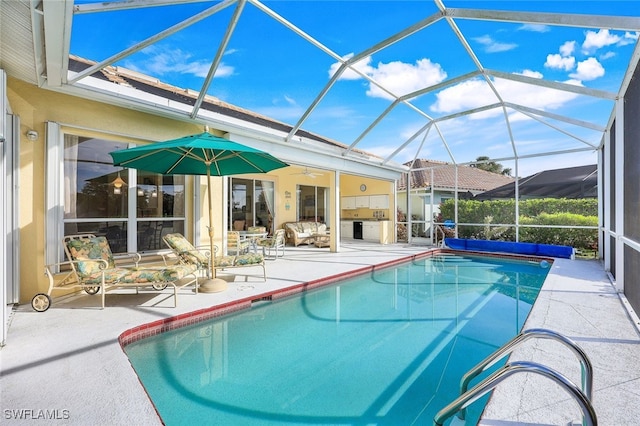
444 174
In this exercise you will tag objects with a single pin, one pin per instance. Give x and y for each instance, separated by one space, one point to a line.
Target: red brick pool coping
190 318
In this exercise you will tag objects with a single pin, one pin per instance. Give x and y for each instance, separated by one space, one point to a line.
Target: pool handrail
589 417
586 369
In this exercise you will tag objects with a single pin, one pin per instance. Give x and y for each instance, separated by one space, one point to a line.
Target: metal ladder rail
510 346
589 417
438 229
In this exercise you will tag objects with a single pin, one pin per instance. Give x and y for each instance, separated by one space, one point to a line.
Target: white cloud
574 81
363 65
285 108
536 28
564 60
163 60
475 93
402 78
466 95
492 46
568 48
517 116
628 38
607 55
596 40
557 61
631 36
399 78
589 69
290 100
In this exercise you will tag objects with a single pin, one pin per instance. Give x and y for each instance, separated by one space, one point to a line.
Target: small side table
322 240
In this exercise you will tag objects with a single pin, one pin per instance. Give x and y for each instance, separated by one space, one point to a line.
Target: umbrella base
214 285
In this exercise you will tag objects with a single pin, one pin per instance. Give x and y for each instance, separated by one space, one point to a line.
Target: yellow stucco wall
350 186
82 117
288 182
36 107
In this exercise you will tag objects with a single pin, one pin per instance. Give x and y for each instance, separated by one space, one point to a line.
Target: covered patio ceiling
444 80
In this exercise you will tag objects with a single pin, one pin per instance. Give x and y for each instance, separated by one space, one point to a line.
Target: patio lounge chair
93 269
189 255
275 242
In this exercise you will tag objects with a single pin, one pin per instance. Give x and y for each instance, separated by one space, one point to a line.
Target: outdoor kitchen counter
373 230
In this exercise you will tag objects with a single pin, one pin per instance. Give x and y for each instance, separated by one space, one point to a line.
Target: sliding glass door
251 203
313 203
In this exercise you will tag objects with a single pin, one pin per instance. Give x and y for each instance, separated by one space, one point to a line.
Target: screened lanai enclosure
474 93
531 86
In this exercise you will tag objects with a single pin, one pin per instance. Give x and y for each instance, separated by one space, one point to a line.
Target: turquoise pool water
387 348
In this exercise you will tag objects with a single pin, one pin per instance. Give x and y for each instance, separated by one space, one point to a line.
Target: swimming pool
386 348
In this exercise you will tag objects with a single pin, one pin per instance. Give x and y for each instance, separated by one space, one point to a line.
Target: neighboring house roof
572 182
444 177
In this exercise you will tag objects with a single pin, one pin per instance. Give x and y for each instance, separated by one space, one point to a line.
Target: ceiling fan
307 173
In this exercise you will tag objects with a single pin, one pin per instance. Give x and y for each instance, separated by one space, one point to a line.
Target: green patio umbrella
202 154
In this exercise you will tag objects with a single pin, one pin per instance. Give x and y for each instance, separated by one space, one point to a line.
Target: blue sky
269 69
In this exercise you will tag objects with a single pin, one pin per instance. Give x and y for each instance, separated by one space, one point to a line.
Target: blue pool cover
533 249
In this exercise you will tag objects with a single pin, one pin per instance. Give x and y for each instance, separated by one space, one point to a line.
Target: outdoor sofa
303 232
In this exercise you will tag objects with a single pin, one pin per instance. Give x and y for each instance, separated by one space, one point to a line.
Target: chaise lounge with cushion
189 255
303 232
92 268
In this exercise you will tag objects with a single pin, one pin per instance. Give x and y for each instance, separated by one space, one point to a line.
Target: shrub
574 237
545 211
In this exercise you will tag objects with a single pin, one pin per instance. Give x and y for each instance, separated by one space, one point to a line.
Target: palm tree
484 163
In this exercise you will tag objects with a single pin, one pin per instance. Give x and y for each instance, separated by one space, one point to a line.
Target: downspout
456 204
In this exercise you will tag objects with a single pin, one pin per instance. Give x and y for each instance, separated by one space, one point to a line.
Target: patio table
252 237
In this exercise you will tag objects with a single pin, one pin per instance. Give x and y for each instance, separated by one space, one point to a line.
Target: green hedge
546 211
574 237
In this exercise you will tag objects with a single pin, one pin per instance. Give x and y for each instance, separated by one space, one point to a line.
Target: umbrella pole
214 284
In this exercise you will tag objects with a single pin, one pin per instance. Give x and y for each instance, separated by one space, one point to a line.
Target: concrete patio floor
68 362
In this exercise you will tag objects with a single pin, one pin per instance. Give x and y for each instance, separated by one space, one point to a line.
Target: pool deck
67 362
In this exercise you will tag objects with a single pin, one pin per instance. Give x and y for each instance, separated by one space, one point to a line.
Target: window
102 199
313 203
251 204
160 208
